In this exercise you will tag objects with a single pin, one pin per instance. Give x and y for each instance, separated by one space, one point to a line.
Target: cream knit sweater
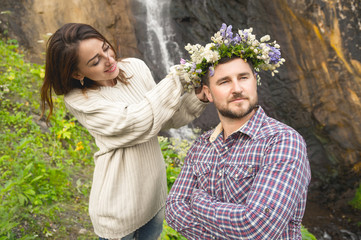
129 182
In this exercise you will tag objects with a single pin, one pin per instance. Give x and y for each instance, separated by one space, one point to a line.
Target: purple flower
211 71
275 55
194 66
223 30
245 34
229 32
182 61
199 71
236 39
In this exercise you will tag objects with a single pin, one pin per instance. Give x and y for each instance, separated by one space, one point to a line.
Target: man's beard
226 112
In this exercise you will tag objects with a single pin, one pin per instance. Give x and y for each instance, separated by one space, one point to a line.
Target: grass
46 172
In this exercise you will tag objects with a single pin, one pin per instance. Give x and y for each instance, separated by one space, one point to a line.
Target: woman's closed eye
106 48
97 60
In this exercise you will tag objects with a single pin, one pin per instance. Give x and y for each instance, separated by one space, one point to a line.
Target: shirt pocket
238 181
202 172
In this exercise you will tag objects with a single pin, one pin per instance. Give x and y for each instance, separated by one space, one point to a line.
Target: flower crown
262 54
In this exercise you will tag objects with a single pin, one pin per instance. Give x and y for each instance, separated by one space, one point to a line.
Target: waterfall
161 51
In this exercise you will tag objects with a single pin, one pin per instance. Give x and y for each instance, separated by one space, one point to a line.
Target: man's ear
207 91
78 76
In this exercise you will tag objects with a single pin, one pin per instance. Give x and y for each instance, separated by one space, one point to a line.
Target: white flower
203 58
186 78
209 46
265 38
250 30
255 43
217 38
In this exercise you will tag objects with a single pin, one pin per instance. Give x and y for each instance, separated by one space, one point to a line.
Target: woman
123 109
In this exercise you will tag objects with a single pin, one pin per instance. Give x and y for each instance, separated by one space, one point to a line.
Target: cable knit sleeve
190 108
120 124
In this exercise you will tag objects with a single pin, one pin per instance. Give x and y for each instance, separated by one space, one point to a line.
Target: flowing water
161 50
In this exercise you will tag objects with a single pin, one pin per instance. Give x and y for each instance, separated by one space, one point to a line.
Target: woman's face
96 62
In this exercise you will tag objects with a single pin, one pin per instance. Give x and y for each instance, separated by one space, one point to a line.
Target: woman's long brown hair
62 60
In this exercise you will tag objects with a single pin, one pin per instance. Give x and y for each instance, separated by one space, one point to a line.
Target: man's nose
236 86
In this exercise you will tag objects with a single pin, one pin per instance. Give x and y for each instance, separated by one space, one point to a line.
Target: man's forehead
234 66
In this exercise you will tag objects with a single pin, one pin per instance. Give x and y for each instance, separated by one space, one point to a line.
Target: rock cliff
318 90
31 22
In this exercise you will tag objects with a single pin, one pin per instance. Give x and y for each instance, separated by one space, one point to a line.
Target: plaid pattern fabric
253 185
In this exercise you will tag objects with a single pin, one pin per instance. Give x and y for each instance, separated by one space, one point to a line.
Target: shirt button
250 169
266 210
220 173
226 148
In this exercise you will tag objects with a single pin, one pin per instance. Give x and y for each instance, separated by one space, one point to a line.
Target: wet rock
32 22
317 90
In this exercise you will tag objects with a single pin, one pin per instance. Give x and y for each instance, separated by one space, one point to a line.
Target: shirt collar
250 128
216 132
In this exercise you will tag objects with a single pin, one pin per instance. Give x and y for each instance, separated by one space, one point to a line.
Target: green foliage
40 168
356 201
174 151
170 234
306 235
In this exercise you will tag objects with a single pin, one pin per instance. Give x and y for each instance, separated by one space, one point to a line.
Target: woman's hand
200 94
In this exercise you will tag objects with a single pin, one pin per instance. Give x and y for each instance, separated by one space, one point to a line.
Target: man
246 179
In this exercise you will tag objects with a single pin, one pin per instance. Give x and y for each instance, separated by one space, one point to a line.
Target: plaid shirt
253 185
